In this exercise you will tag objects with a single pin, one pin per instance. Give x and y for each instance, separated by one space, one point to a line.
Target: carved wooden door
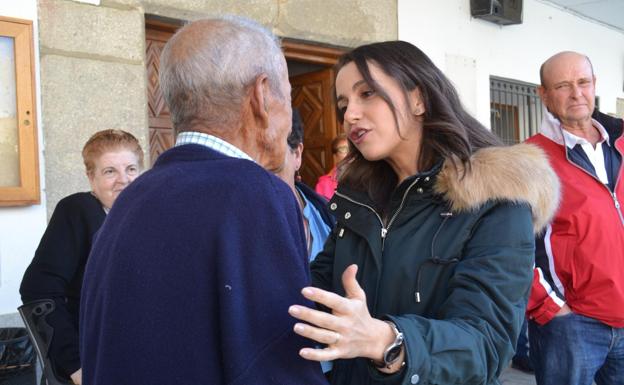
161 134
311 94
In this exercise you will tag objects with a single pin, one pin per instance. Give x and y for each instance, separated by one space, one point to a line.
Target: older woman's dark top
57 270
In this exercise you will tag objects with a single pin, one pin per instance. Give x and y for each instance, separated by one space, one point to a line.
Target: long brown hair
449 132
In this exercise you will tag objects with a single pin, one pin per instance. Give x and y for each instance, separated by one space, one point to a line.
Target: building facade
90 60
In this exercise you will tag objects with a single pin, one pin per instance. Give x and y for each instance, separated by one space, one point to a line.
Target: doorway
310 69
311 76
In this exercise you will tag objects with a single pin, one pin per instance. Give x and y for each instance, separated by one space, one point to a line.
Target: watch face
394 350
392 354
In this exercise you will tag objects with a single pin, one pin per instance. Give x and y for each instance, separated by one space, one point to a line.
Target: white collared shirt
211 141
552 129
595 155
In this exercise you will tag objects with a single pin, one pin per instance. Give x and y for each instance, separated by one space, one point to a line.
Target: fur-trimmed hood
518 173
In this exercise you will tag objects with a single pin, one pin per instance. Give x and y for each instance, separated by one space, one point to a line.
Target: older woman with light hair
112 159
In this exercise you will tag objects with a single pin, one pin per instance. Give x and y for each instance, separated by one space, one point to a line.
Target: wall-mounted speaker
502 12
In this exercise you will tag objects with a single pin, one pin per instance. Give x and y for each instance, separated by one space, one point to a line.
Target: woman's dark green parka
451 264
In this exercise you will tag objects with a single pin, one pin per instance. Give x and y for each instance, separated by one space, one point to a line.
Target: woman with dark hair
112 159
426 275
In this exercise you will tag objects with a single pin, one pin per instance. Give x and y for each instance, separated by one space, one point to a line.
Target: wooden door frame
294 49
163 24
325 57
307 52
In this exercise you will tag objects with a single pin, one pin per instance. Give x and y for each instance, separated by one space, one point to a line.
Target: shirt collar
552 129
212 142
572 140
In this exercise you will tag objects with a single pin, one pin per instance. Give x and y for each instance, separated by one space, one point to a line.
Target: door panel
311 94
161 134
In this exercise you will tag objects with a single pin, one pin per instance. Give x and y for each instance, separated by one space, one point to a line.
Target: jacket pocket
432 277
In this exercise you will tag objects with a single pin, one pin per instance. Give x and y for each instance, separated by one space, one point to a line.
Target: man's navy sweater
191 276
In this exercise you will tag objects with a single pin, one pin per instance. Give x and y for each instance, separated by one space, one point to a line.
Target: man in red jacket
576 306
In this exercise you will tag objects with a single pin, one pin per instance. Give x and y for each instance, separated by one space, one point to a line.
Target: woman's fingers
339 304
314 317
330 353
352 288
346 330
324 336
333 301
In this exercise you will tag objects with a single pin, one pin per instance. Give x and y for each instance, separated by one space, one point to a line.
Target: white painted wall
468 50
21 227
445 31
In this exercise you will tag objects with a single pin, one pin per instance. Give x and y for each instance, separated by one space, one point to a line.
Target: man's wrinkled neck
583 129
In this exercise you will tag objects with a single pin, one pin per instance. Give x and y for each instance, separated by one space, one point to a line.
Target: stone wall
93 62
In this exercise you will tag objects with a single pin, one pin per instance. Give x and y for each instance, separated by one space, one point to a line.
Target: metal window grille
515 109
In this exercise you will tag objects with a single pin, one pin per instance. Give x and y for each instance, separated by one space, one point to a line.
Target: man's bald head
568 88
546 67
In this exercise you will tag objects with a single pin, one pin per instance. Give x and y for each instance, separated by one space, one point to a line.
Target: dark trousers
577 350
522 347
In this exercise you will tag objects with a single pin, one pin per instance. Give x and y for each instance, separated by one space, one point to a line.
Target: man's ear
298 156
543 94
541 91
260 95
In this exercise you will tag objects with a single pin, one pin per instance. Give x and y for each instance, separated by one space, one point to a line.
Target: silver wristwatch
393 351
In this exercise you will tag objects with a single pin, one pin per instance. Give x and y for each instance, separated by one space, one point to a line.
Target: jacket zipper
613 194
617 181
396 213
617 206
384 229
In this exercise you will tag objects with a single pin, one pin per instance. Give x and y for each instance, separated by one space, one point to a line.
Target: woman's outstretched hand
349 331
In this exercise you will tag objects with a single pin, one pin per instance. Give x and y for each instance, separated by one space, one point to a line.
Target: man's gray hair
208 65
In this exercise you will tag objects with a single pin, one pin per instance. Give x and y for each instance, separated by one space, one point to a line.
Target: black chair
34 317
17 357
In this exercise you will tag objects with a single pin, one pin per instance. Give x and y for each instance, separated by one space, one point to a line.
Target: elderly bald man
191 276
576 307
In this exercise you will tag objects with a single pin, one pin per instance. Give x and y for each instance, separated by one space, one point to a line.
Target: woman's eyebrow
353 88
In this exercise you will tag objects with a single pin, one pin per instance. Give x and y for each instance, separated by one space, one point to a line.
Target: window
19 170
515 109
